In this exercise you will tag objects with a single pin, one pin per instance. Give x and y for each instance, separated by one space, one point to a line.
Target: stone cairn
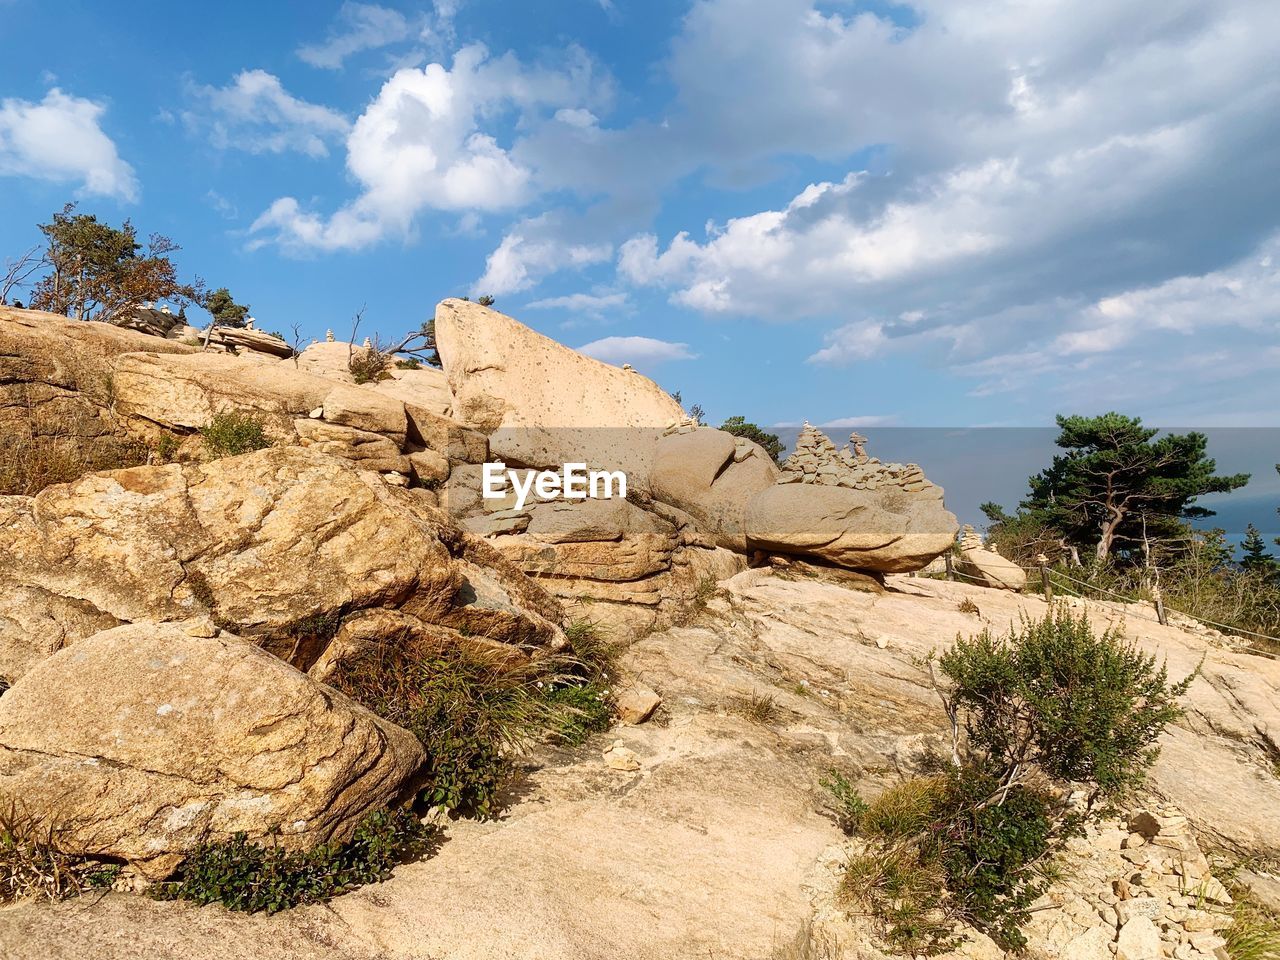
816 460
969 539
1139 889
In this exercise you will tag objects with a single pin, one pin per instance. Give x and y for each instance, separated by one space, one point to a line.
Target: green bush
1054 696
242 875
578 710
231 434
1036 714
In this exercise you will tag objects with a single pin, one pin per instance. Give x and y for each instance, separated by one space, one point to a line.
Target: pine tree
1254 556
1118 483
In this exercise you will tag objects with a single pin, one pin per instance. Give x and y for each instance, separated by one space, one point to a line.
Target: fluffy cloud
1032 178
420 146
531 250
1185 346
360 27
638 351
60 139
589 303
255 113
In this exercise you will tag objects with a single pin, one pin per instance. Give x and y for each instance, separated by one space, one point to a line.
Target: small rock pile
816 460
1139 889
681 425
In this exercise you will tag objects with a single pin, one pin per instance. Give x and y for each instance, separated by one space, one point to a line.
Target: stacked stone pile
1137 889
817 460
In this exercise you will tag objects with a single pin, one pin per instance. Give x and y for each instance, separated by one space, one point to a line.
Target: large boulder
544 405
986 567
56 376
889 531
184 392
711 475
143 741
276 545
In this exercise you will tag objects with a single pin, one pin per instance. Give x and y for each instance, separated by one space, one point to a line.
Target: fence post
1158 600
951 571
1045 582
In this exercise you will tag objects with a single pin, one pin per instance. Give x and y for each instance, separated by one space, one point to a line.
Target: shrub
473 706
467 705
369 365
231 434
968 606
579 710
409 363
739 427
1034 715
243 875
843 801
167 447
1054 696
1255 931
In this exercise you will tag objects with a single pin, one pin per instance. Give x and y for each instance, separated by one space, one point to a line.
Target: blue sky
945 213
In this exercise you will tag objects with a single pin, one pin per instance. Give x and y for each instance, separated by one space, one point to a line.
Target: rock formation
542 404
150 738
275 545
985 567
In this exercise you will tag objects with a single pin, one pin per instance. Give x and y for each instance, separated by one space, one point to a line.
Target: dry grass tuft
758 708
32 865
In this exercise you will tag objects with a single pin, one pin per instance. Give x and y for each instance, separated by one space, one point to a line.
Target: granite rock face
142 741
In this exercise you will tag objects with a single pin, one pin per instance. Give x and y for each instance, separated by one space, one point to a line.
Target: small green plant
409 363
1254 933
234 433
244 875
167 447
843 801
756 707
579 710
469 705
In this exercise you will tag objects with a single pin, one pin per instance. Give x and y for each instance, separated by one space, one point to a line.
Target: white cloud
528 252
256 114
638 351
420 146
360 27
860 340
60 139
594 304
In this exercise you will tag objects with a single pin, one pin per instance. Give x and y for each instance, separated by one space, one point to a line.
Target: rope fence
1050 580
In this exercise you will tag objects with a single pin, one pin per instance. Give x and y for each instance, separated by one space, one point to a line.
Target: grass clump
468 704
248 876
756 707
43 449
1255 930
1048 709
968 606
474 706
234 433
32 863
